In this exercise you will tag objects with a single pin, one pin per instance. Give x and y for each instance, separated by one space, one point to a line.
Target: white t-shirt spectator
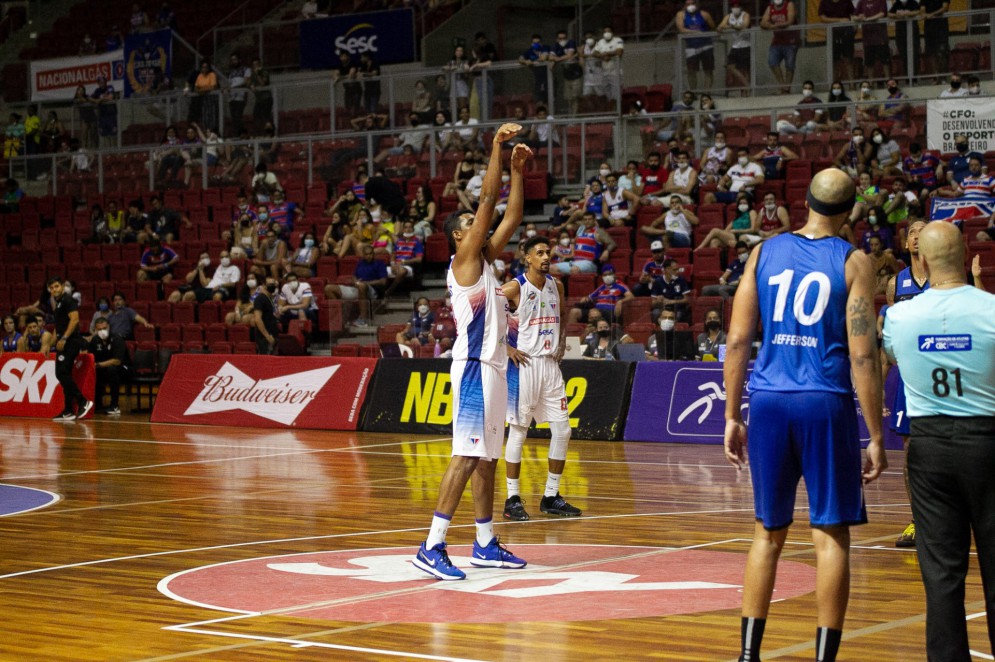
229 275
890 152
677 223
414 137
466 129
742 176
474 185
292 298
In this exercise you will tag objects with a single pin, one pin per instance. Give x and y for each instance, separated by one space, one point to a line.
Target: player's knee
516 440
559 439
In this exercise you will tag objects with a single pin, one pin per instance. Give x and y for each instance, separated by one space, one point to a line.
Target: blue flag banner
147 61
389 36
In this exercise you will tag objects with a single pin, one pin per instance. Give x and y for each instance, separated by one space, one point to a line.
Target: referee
944 343
69 343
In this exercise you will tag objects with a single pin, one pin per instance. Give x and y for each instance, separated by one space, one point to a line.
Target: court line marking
56 498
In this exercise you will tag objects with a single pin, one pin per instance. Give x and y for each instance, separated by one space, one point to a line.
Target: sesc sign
389 36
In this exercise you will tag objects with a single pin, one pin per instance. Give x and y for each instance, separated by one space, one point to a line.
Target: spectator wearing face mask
265 324
609 50
956 89
683 182
738 61
603 343
838 117
666 320
699 52
110 356
409 253
958 167
222 284
606 298
670 291
854 156
103 313
729 280
896 107
743 176
418 330
887 160
713 336
973 86
296 301
878 229
673 227
302 262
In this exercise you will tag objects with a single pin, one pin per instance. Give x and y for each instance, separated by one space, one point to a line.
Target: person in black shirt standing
69 343
266 325
110 356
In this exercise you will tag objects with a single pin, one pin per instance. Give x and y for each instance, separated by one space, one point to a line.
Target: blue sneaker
436 562
494 555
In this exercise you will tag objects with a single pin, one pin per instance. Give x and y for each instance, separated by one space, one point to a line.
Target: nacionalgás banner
389 36
674 401
58 78
264 391
28 387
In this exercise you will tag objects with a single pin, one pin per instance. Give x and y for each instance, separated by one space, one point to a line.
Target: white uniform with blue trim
536 390
480 359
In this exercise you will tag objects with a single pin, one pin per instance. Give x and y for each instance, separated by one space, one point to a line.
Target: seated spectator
809 114
99 232
885 265
422 212
264 321
667 320
607 298
988 234
680 124
135 222
683 181
10 335
729 280
716 160
465 171
743 228
562 212
562 253
110 357
631 180
896 107
465 133
773 218
242 314
444 329
541 132
923 171
418 330
304 259
654 174
115 222
744 175
123 318
618 205
976 187
973 86
652 270
360 235
264 183
13 194
670 291
271 256
901 204
773 157
103 313
854 157
878 228
415 137
838 117
36 338
866 112
296 301
959 167
409 254
712 337
470 195
868 195
157 263
591 244
163 223
331 241
168 158
221 286
887 159
603 345
369 281
593 202
244 237
674 227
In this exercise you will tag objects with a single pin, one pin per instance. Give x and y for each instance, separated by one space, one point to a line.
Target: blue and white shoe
436 562
494 555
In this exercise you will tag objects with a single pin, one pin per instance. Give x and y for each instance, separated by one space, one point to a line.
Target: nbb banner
264 391
685 402
58 78
28 387
389 36
416 397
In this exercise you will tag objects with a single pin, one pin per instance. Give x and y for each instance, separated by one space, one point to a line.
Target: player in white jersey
535 383
478 373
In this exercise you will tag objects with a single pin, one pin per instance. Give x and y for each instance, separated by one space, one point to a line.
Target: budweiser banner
685 402
264 391
59 78
28 387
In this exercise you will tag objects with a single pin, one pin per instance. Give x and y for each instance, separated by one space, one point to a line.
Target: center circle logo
561 582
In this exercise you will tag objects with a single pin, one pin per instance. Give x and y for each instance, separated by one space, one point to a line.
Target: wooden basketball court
181 542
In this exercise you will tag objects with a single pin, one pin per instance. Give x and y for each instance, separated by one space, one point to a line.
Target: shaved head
832 187
942 247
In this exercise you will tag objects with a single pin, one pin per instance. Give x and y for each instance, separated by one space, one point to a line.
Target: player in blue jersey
478 372
813 293
909 282
944 342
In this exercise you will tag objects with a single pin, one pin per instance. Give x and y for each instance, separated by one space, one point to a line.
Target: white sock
485 531
513 486
437 534
552 484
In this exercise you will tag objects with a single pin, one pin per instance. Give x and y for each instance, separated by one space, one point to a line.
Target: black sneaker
65 417
85 409
557 505
515 509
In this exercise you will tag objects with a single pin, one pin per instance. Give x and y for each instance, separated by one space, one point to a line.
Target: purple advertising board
684 402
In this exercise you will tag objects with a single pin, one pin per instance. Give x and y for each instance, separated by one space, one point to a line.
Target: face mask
604 333
530 233
271 288
103 307
604 172
692 9
879 139
974 90
736 11
719 145
608 36
609 279
770 206
873 220
667 325
482 173
308 243
505 178
743 257
293 284
744 207
103 333
562 42
565 241
778 3
892 89
683 165
962 148
837 92
743 160
423 309
806 93
251 283
375 214
955 85
865 90
225 261
263 216
589 42
857 140
713 325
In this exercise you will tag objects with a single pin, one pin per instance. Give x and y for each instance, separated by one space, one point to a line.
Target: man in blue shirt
369 280
813 293
729 281
944 342
537 57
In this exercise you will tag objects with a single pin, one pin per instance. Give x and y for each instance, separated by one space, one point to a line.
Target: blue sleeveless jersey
802 294
906 286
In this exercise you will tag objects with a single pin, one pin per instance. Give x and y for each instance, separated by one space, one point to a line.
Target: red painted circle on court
561 582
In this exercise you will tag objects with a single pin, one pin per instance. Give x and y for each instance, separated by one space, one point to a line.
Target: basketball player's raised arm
739 341
516 203
865 364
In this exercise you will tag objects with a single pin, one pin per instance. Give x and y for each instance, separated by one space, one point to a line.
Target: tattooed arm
864 356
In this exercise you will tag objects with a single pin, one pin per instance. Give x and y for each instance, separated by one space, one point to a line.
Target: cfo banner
148 60
685 402
389 36
58 78
416 396
973 117
264 391
28 386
